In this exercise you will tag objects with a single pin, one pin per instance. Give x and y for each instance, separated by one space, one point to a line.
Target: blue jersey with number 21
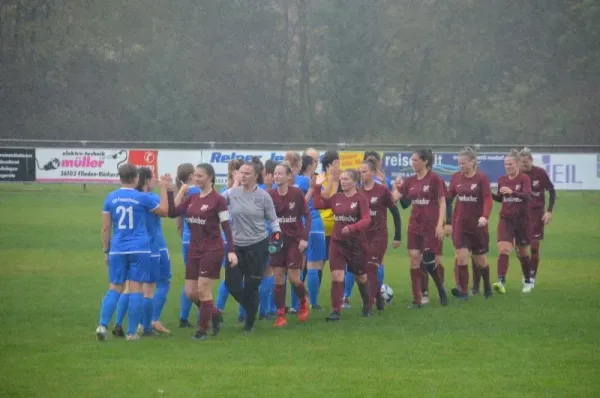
128 210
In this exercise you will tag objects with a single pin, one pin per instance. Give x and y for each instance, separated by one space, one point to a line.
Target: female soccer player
127 252
290 207
185 175
426 225
514 225
380 199
204 212
471 188
348 241
316 252
539 216
250 206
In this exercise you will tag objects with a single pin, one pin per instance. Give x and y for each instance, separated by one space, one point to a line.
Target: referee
249 207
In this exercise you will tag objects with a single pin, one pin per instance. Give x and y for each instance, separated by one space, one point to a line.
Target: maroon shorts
377 247
515 230
350 253
475 239
537 225
206 265
424 241
289 256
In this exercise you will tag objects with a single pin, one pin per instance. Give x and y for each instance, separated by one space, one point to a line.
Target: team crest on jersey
517 187
203 207
473 186
425 188
373 200
353 205
536 183
292 205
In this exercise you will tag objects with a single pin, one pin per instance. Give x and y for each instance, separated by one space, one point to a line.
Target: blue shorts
184 252
135 267
164 270
225 256
152 276
317 249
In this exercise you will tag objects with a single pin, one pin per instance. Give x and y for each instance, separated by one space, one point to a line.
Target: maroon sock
424 279
206 312
300 291
526 268
374 286
502 267
535 258
442 272
416 277
279 293
337 294
485 275
363 288
476 275
463 277
456 276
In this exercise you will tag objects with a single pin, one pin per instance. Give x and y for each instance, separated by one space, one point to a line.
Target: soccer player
379 176
316 252
348 240
268 174
514 225
185 175
380 199
250 206
473 194
426 225
127 247
204 212
290 207
540 183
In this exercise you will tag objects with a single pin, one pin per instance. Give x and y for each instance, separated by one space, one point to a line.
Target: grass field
545 344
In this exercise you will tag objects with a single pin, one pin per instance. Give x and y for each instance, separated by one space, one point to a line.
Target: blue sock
265 300
160 298
348 283
380 273
109 304
242 311
312 283
185 305
134 318
122 306
272 306
147 313
222 296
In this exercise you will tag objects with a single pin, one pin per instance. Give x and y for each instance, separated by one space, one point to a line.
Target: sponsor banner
17 165
169 159
79 165
144 158
350 160
219 158
445 164
571 171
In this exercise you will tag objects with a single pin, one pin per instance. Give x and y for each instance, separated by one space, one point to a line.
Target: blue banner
445 164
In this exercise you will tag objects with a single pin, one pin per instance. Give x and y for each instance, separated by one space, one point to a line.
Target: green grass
53 279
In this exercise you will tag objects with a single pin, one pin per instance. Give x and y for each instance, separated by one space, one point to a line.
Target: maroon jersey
380 200
540 182
473 197
424 195
290 208
348 211
515 205
203 215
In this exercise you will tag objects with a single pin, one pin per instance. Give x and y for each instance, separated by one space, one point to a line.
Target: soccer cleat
184 323
365 313
474 292
346 303
304 310
199 335
118 331
316 307
532 282
158 327
379 302
527 287
280 322
132 337
499 287
333 317
459 295
443 297
292 311
241 319
140 330
217 320
425 298
101 333
248 329
487 293
148 333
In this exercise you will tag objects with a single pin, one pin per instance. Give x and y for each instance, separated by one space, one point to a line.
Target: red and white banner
144 158
79 165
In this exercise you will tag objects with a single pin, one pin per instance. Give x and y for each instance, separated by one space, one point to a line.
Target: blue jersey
388 182
154 227
223 233
303 182
128 210
185 236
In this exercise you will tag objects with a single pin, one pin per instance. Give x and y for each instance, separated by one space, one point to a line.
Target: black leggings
243 280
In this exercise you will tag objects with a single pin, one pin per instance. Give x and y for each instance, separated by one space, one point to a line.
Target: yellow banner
352 160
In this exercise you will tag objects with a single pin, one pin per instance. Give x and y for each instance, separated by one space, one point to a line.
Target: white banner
79 165
570 171
219 158
170 159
